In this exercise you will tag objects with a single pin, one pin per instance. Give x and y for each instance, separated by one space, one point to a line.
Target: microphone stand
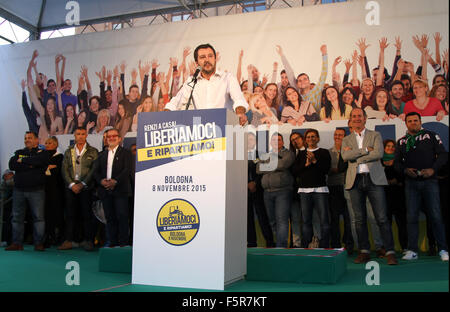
191 99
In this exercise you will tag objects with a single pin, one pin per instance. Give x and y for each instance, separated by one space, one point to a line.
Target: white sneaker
410 255
444 255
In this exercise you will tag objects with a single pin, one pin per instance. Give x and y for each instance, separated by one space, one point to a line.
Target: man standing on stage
365 177
214 89
419 155
29 165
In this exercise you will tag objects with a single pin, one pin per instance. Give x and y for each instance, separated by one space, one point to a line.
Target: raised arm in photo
34 99
437 42
239 66
287 67
123 65
183 66
383 45
354 79
361 43
336 62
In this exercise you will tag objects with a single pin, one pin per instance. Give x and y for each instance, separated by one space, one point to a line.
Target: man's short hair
114 129
340 129
283 72
405 77
397 82
312 130
363 110
413 114
203 46
80 128
94 97
303 74
133 86
50 81
33 133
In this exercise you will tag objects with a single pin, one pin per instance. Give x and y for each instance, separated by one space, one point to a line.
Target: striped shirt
315 95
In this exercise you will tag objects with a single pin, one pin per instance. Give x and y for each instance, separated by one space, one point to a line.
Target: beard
209 72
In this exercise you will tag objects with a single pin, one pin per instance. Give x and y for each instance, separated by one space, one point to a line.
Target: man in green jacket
77 170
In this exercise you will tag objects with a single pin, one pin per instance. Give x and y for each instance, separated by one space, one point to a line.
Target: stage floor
31 271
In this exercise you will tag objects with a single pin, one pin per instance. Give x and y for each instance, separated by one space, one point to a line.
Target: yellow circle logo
178 222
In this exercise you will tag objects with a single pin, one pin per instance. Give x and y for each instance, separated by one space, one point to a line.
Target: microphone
197 71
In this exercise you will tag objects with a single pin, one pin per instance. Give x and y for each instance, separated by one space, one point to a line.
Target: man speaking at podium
212 89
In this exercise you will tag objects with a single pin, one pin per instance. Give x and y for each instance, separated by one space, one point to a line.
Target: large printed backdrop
300 31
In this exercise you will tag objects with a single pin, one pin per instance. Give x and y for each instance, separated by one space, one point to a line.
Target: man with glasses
112 174
77 170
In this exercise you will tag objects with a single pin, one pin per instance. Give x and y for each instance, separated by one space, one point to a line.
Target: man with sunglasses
77 170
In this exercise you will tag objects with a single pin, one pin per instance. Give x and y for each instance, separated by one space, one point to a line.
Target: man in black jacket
29 165
419 155
113 176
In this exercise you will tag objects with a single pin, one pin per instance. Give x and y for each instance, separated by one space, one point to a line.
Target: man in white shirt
214 89
113 176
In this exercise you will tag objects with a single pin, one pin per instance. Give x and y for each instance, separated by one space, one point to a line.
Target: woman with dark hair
51 123
69 119
83 121
82 100
333 107
348 96
439 79
296 112
382 106
395 193
94 108
122 121
272 99
311 168
440 92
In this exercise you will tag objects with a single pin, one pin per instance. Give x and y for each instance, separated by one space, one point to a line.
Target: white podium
190 218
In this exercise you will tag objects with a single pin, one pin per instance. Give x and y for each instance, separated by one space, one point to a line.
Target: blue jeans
363 188
415 191
278 204
35 200
318 201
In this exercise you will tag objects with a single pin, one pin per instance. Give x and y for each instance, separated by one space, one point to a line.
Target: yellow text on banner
182 149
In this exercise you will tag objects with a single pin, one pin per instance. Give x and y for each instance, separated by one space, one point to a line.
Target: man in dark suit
113 176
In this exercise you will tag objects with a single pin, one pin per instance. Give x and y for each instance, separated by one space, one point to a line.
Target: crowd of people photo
297 205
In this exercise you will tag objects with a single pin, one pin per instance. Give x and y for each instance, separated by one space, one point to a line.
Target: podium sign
190 215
